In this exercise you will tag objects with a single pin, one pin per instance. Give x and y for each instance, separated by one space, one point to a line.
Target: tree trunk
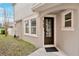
6 29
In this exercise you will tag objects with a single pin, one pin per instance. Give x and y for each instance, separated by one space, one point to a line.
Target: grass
9 46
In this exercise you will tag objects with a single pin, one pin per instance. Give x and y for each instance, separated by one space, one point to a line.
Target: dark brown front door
48 30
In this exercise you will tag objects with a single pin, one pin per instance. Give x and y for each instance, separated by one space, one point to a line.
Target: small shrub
2 31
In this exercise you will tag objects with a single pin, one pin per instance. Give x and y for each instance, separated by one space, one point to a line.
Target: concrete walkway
42 52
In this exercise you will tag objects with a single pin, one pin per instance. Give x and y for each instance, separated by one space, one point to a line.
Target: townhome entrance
48 30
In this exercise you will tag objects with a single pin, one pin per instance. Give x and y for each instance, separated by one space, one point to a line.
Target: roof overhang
18 21
43 6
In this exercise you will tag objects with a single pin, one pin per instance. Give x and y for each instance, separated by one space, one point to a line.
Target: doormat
51 49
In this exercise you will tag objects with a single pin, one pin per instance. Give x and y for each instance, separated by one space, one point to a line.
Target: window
33 26
30 26
67 20
27 27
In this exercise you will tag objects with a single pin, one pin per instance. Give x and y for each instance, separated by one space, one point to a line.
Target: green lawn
10 46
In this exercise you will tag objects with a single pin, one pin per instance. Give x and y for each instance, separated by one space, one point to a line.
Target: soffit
42 7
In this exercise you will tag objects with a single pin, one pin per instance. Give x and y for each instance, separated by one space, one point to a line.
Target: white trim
30 26
37 5
34 35
54 30
63 21
49 46
29 34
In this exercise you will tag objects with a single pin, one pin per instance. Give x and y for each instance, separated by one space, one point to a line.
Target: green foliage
2 31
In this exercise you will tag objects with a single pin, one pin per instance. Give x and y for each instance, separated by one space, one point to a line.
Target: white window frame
25 26
30 34
31 25
63 21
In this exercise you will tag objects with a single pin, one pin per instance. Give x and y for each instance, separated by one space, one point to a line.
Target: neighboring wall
11 31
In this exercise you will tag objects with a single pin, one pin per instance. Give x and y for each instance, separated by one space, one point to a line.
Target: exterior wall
19 29
22 10
68 40
65 40
37 39
78 32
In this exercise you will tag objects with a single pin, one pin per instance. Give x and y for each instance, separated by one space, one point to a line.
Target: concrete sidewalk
42 52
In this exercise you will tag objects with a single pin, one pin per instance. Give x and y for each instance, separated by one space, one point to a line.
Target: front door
48 30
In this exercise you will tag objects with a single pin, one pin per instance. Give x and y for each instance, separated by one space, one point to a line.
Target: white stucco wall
67 41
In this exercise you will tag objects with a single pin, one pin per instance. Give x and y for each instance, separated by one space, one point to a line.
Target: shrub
2 31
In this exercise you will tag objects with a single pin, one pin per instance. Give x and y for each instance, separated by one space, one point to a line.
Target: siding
22 10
